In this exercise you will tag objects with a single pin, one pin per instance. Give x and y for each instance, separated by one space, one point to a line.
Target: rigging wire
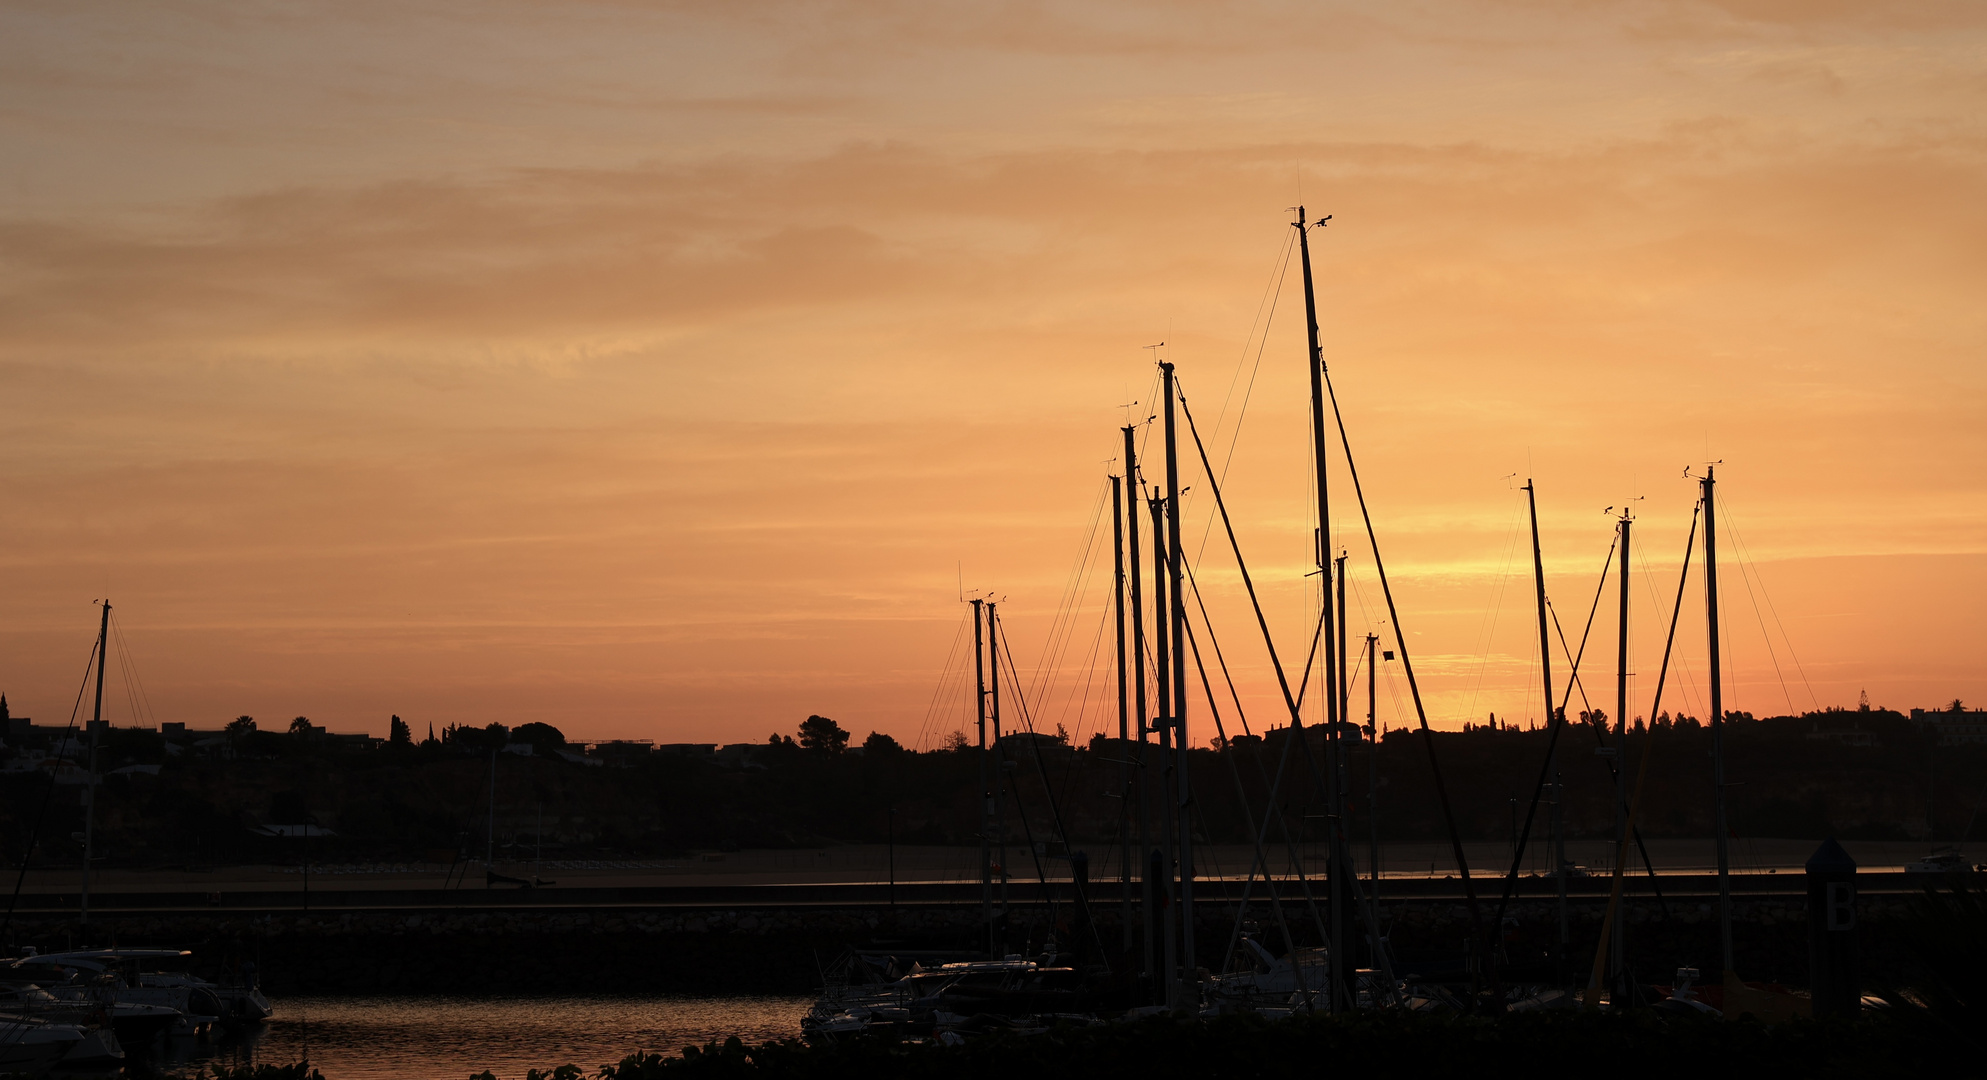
1269 645
1745 557
1686 675
1407 666
134 688
41 816
944 675
1489 632
1272 295
1062 624
1000 642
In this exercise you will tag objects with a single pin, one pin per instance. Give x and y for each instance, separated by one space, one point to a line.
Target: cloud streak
697 428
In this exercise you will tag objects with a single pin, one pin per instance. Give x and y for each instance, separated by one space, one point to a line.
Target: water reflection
448 1038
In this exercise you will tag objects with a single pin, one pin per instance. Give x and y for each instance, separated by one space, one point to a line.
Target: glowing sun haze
663 370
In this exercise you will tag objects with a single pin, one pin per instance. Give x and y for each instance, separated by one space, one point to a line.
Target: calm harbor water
448 1038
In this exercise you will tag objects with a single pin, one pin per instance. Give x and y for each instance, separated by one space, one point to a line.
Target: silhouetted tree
881 745
544 738
822 735
398 733
1958 706
300 727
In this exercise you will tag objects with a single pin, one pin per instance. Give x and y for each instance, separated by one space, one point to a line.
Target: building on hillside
1953 728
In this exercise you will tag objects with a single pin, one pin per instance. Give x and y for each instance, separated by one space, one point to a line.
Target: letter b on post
1840 909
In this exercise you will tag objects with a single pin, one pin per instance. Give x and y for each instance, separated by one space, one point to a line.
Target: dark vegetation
1871 774
1382 1044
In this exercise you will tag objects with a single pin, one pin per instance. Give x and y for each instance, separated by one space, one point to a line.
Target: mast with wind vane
986 789
1124 709
1177 616
1161 859
1717 714
1328 633
1618 944
1139 714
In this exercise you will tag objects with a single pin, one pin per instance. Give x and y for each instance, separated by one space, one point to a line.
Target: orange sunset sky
664 370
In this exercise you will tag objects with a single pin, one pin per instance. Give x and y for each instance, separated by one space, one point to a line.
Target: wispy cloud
689 387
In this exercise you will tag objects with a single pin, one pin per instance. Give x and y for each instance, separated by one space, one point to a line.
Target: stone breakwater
781 949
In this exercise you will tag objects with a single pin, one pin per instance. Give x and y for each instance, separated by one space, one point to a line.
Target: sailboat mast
1124 707
1344 669
1373 760
1717 715
1554 716
1139 713
999 767
95 733
1538 582
1329 632
1619 944
1162 668
1336 757
986 788
1182 743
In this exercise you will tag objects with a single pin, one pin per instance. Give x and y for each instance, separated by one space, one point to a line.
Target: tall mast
1329 633
1553 716
1344 669
1124 727
1373 760
986 787
999 766
1138 695
1162 668
1340 782
90 798
1619 944
1178 615
1717 714
1538 581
